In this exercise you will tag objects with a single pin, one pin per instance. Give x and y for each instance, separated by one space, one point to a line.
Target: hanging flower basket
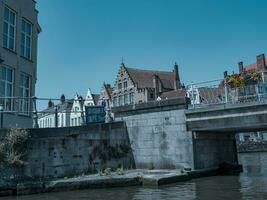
242 80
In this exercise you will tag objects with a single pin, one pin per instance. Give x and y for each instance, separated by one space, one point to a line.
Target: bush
13 147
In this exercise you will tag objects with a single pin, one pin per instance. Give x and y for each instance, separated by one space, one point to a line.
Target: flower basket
242 80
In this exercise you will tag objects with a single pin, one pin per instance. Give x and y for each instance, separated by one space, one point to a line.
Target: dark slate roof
95 98
109 89
67 105
174 94
144 78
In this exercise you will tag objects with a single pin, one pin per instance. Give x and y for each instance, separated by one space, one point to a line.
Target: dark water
251 184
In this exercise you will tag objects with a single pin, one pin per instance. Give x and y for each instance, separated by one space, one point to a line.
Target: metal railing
220 91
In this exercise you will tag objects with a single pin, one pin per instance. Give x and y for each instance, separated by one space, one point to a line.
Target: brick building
133 86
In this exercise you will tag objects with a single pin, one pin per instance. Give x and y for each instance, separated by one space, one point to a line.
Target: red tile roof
173 94
144 78
253 66
210 95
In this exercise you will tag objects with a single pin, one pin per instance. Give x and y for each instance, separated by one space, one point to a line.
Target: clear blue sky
83 40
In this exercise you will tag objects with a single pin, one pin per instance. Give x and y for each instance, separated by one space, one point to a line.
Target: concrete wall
212 149
71 151
158 134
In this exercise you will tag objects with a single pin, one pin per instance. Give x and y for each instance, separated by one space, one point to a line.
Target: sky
83 41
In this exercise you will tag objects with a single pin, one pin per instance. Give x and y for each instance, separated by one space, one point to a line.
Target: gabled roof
144 78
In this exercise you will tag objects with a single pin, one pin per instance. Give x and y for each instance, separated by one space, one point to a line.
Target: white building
47 117
77 116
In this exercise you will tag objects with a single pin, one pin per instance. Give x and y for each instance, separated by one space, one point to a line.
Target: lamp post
2 115
56 117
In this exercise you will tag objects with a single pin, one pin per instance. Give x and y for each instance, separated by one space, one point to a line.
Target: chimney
261 65
62 98
156 85
241 67
225 74
177 83
50 104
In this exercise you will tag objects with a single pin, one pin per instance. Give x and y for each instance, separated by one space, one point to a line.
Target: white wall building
47 117
77 116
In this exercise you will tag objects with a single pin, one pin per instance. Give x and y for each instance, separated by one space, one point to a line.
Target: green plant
105 172
120 170
13 147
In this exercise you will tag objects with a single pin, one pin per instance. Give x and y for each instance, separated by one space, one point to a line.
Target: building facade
106 100
47 118
19 31
77 116
133 86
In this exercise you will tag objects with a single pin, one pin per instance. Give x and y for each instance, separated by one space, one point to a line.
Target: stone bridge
228 118
214 128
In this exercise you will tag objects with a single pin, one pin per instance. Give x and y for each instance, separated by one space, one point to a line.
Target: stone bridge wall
158 134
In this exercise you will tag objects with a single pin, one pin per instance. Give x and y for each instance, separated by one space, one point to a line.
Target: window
120 86
120 100
126 99
24 92
151 95
26 39
62 120
72 123
131 96
125 84
115 101
6 87
9 29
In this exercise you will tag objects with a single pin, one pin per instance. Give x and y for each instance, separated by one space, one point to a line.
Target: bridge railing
233 89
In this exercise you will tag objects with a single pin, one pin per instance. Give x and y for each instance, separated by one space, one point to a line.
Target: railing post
192 94
2 115
35 117
225 91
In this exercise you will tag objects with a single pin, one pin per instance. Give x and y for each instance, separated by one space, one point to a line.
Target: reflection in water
253 180
251 184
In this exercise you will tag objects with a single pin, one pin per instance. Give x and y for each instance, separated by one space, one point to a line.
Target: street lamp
56 117
2 115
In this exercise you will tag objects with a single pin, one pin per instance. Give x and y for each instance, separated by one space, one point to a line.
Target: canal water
251 184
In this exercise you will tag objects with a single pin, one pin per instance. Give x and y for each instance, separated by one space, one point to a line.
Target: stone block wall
158 135
64 152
